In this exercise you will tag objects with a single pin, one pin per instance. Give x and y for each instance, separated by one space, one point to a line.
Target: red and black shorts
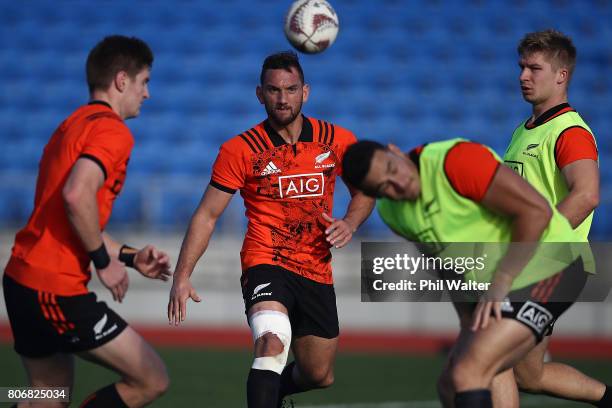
44 324
538 306
311 305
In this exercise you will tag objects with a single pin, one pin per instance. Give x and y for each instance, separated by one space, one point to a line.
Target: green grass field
211 378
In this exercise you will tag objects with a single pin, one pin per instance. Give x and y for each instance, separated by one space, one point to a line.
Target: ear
562 76
121 81
259 93
305 92
394 149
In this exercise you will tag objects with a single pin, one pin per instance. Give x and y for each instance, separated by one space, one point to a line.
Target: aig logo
535 316
301 185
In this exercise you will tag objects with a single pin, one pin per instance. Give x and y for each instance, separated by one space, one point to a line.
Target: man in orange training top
82 170
285 168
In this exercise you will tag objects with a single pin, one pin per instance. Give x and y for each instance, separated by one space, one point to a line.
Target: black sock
104 398
606 400
262 388
287 385
474 399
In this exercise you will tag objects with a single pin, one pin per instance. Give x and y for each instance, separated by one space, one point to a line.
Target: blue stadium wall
402 71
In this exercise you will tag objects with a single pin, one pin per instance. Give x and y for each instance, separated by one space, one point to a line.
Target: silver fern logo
257 292
321 158
98 327
258 288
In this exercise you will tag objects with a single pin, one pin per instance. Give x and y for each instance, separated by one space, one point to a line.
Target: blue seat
176 208
407 72
128 207
16 204
20 156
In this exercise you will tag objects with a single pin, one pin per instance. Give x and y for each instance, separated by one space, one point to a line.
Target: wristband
100 257
127 257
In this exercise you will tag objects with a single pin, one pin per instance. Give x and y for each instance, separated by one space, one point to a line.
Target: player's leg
95 332
315 338
268 303
491 351
504 343
504 391
445 387
37 338
143 374
271 331
53 371
560 380
314 362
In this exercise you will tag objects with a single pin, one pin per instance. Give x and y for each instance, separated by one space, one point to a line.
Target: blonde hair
556 46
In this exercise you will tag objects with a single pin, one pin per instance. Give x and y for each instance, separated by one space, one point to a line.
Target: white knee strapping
277 323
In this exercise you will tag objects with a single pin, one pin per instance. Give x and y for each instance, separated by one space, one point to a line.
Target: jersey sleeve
575 143
108 144
345 139
470 167
229 169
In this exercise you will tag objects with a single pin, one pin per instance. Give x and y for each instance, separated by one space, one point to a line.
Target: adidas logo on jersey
270 169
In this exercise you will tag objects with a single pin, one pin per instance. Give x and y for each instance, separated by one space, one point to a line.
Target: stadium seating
407 72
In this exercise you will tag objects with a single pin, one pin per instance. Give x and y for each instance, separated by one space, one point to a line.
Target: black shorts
311 305
538 306
44 324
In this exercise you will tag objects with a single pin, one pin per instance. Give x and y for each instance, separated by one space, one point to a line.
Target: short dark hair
282 60
114 54
557 47
356 163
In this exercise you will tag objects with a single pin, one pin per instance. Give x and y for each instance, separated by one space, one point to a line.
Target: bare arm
79 194
149 261
200 230
112 246
80 200
340 232
510 195
582 178
359 209
194 244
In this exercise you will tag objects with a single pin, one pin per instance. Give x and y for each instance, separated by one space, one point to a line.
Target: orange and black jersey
48 255
286 189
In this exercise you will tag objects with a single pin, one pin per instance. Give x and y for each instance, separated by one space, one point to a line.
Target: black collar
277 140
98 102
547 115
415 156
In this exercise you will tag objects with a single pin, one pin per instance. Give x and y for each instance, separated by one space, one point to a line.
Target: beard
285 117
